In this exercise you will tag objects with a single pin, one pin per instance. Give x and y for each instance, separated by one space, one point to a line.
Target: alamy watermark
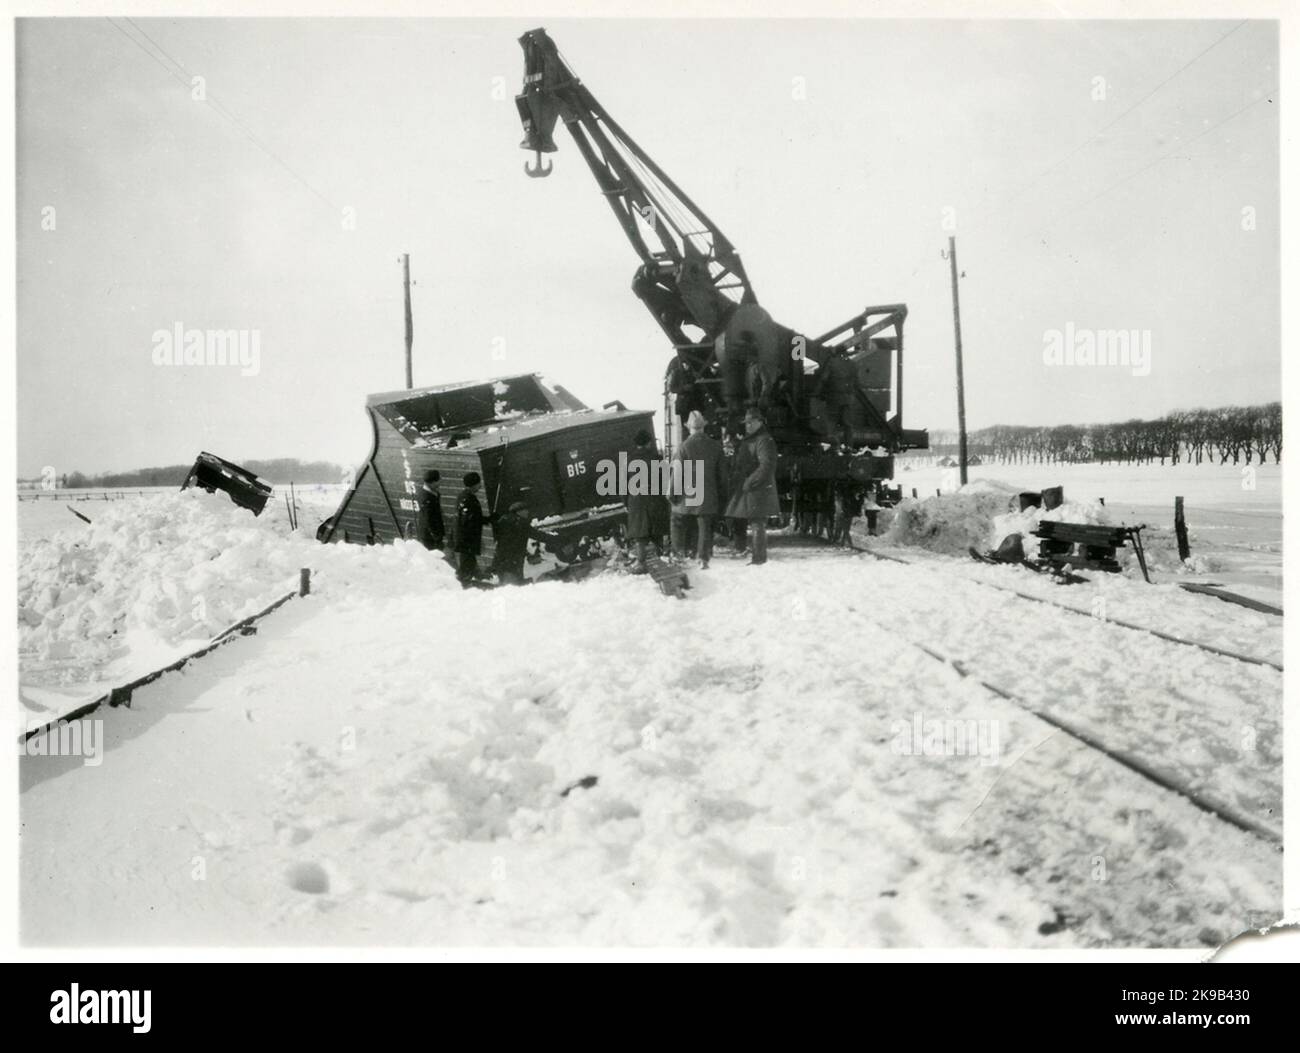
68 738
946 737
179 346
655 477
1124 348
75 1006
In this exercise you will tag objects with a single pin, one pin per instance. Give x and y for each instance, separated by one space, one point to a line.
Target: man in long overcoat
702 465
756 498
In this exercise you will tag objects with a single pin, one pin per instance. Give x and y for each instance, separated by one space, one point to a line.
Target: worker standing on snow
709 478
679 525
428 527
469 530
510 532
644 514
756 499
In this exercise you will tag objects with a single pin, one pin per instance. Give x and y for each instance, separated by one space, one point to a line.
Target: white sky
167 213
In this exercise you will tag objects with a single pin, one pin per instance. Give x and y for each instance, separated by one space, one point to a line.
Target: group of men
510 530
739 486
826 509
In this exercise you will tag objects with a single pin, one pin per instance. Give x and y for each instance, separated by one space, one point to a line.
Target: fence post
1180 530
304 581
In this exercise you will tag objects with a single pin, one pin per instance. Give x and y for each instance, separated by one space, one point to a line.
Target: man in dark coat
707 474
647 513
428 526
469 530
510 532
756 499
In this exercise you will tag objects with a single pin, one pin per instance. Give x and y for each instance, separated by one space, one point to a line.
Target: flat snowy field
1233 513
784 758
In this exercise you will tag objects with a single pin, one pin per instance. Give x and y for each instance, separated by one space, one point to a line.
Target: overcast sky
827 152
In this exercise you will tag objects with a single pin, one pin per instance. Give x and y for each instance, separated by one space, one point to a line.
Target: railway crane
833 403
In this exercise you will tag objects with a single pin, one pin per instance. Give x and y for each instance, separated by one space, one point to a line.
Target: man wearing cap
707 477
756 499
510 531
469 530
646 511
428 526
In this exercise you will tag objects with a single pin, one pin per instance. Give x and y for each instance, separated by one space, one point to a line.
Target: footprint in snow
308 877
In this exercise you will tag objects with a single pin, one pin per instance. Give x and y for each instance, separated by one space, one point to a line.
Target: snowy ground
146 580
772 761
42 515
1234 513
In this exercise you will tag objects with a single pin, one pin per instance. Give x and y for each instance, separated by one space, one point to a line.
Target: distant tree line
280 470
1231 433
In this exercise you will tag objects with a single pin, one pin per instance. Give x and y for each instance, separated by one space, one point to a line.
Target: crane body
833 403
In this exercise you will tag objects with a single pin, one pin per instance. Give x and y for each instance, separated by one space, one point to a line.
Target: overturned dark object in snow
1088 546
1011 552
213 473
585 783
529 441
1046 499
1065 545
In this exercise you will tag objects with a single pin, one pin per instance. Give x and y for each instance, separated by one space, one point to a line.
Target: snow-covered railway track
1152 774
1160 634
1202 722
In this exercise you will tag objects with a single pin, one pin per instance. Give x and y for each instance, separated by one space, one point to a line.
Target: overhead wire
178 71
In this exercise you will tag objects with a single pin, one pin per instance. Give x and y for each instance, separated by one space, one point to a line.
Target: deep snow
393 760
1233 512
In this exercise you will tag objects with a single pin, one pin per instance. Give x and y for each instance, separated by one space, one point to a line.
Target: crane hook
540 169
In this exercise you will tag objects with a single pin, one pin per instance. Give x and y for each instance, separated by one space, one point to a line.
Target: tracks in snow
1225 812
1210 648
1204 766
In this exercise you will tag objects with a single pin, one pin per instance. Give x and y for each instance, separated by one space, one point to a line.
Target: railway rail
1170 637
1152 774
1125 757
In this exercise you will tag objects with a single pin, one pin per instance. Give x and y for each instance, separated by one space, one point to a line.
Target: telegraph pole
410 329
961 382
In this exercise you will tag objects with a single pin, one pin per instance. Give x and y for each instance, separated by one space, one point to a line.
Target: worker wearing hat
647 513
702 477
428 525
755 500
510 532
469 530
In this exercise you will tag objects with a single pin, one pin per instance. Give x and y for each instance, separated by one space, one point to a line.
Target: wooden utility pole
961 382
410 329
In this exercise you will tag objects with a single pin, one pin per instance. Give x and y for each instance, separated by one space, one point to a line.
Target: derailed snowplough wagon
528 441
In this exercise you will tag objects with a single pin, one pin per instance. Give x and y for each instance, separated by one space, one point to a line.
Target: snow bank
1236 532
1026 522
952 522
147 575
150 579
978 515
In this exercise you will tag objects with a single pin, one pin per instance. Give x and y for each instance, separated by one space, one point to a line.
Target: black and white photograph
660 483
